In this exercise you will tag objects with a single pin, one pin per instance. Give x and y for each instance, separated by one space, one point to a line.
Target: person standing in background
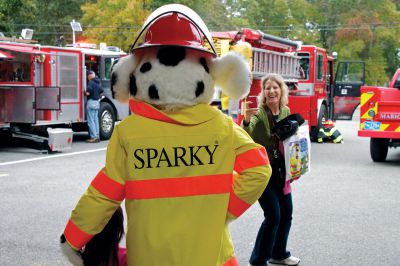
92 93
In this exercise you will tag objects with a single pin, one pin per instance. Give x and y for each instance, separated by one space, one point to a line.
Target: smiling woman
272 93
276 200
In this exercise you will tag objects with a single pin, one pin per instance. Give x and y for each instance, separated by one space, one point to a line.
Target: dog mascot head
173 63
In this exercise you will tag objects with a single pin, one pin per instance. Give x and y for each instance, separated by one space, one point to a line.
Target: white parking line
51 157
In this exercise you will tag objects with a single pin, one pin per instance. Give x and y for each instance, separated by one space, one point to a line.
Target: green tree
284 18
53 18
13 14
114 22
122 30
48 18
269 16
214 13
357 29
303 15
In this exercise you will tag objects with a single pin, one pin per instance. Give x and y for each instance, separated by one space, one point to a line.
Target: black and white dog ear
121 73
231 73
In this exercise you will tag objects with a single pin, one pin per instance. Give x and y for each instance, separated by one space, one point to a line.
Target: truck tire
379 149
106 120
323 113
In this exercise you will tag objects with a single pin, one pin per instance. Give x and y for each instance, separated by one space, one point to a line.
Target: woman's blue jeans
273 234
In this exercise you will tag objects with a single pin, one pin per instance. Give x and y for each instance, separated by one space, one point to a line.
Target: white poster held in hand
297 153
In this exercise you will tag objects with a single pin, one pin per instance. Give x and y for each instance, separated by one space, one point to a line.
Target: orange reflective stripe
251 158
75 236
236 205
148 111
178 187
108 187
231 262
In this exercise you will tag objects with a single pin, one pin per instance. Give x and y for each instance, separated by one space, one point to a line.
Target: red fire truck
380 117
314 91
43 87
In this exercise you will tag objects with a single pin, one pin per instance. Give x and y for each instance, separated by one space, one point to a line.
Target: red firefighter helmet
328 123
174 25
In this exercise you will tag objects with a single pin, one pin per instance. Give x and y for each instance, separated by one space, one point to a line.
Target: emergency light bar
85 45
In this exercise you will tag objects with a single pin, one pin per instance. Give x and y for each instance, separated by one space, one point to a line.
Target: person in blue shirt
93 92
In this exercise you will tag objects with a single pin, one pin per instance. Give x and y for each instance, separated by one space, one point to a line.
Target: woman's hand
248 112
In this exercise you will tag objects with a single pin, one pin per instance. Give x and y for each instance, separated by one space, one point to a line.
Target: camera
288 126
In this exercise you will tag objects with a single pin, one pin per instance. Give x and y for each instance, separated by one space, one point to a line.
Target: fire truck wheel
379 149
322 114
106 120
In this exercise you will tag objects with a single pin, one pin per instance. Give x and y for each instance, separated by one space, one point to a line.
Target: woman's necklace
275 111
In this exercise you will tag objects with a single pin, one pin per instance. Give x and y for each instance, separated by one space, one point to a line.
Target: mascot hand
72 255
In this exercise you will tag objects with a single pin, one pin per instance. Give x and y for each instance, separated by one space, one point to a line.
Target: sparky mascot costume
183 168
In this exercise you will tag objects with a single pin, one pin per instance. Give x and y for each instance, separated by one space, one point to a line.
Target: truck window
16 70
350 72
397 83
92 62
108 62
320 65
68 78
305 64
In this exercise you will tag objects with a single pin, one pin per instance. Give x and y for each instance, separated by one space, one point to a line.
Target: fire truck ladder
285 64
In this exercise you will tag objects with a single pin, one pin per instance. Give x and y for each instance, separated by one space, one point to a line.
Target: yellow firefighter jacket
175 173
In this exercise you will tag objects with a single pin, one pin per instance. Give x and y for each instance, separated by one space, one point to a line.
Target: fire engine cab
308 70
42 88
380 117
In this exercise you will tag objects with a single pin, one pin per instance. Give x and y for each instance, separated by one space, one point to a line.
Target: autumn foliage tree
118 22
364 30
114 22
370 35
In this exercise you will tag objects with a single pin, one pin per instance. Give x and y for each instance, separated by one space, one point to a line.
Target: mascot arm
252 173
101 199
